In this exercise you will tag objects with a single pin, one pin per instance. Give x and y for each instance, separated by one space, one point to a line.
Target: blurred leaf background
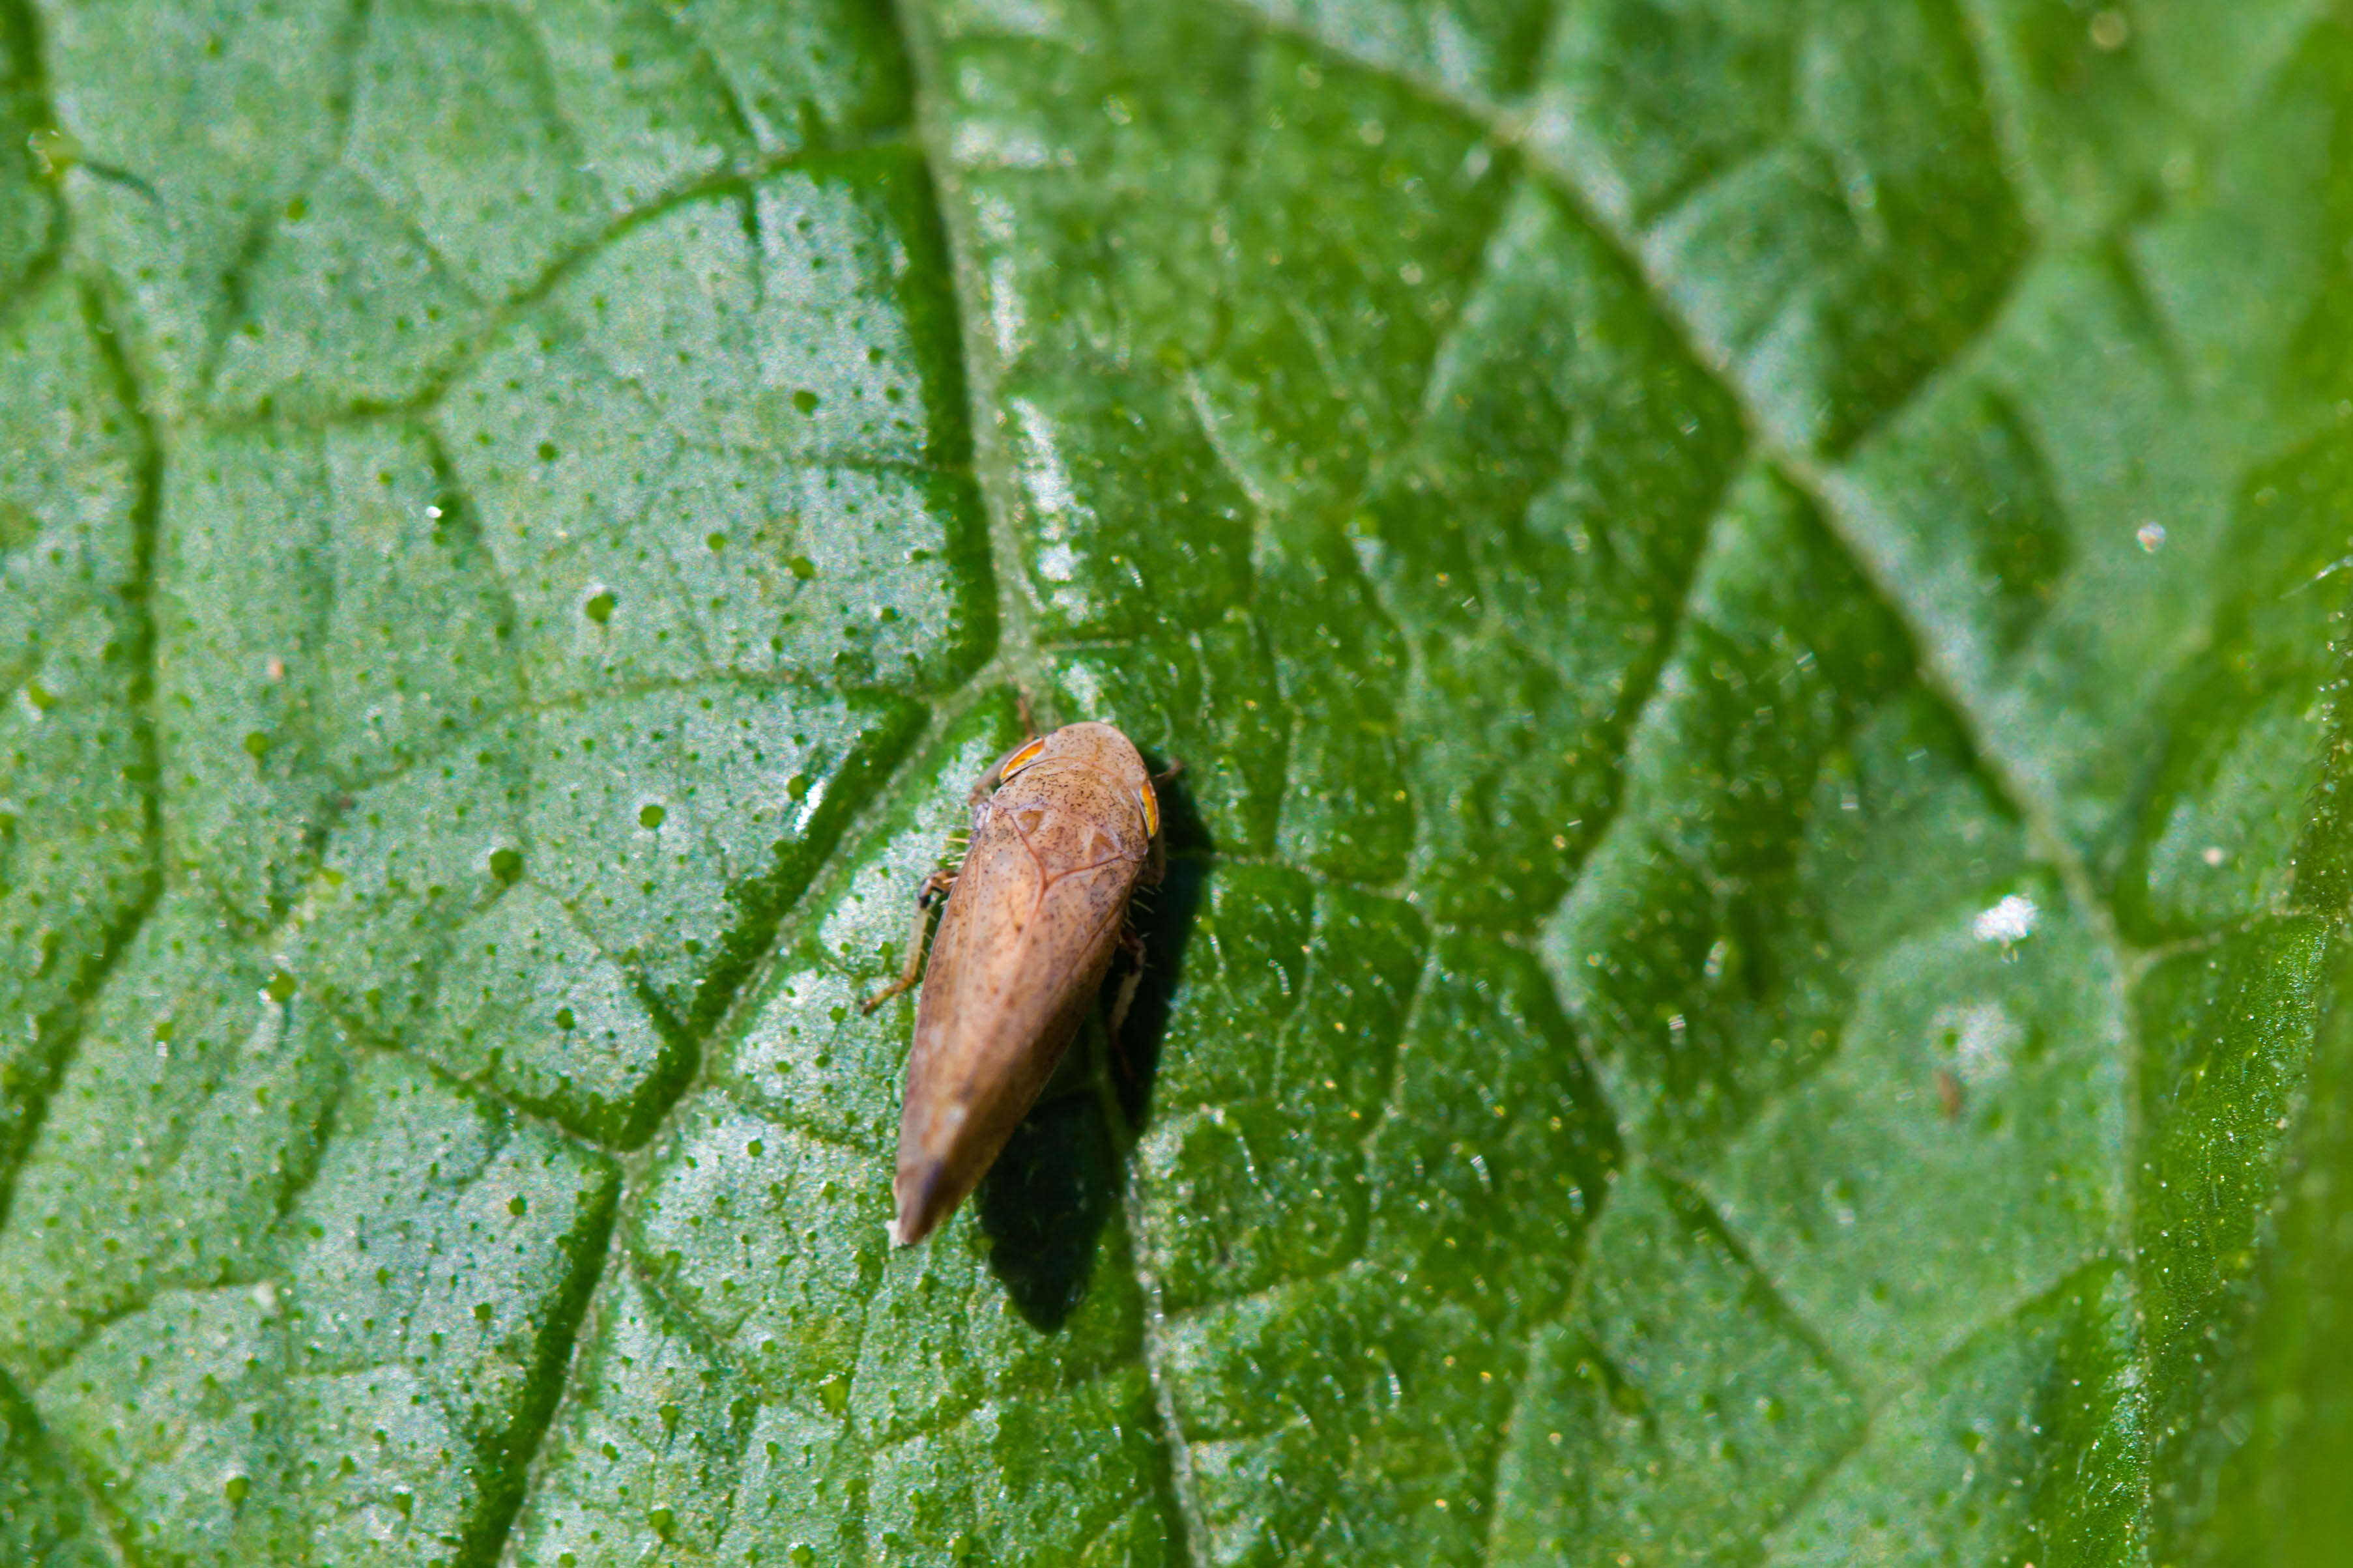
1754 971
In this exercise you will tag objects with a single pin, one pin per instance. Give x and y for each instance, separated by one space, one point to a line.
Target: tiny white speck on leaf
2012 920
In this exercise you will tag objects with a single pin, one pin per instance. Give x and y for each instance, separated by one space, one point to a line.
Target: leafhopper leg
1131 946
936 885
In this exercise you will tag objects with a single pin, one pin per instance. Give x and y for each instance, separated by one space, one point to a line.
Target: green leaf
1754 967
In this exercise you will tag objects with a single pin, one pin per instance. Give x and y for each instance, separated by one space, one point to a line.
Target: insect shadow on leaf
1044 1204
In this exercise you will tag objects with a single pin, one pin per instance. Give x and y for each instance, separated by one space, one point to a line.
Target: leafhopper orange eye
1151 804
1021 759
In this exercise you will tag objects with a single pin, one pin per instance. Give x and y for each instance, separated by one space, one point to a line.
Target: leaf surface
1753 968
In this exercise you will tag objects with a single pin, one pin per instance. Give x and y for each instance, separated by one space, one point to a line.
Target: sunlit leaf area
1753 968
